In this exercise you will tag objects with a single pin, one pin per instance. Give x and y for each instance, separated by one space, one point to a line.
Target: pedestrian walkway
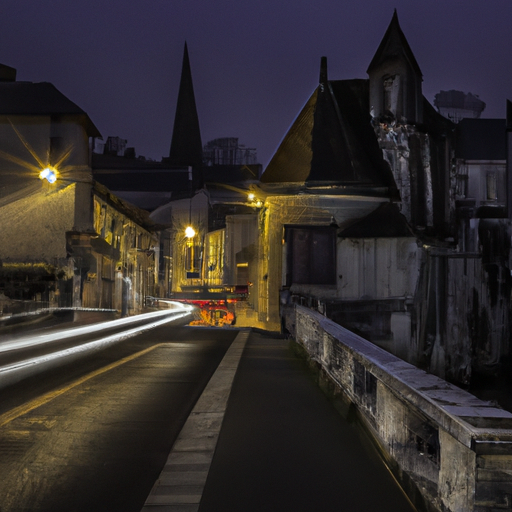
282 446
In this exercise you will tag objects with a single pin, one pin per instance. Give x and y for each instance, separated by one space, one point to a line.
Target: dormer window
391 87
388 86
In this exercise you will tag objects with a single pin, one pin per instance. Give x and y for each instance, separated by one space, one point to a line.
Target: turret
395 79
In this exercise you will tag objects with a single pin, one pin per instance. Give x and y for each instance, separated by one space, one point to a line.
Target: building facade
66 241
379 214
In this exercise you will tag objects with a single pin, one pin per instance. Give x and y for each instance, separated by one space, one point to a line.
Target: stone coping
473 422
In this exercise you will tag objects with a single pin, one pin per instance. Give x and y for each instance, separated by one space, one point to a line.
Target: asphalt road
93 436
284 447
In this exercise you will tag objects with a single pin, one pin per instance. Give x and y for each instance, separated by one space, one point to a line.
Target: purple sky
254 63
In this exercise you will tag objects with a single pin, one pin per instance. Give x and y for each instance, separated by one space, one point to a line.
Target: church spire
186 147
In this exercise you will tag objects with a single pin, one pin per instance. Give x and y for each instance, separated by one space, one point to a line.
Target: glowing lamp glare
48 175
190 232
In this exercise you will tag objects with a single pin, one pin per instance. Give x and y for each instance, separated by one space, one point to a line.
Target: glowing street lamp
254 200
190 232
48 174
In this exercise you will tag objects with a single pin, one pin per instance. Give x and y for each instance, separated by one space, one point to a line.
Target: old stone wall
462 307
34 226
379 268
455 448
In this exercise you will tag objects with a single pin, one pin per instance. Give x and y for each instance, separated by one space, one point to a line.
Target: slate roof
231 173
41 99
128 174
434 123
394 46
292 160
384 222
481 139
142 180
332 140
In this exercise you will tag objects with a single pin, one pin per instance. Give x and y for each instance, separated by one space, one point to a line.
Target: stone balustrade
454 448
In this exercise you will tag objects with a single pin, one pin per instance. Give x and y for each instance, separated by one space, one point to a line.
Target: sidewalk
281 446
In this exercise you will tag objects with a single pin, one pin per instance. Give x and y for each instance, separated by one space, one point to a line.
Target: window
462 181
492 193
391 89
388 87
310 255
192 260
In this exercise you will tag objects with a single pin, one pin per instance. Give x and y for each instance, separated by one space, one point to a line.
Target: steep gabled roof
186 146
394 46
41 99
292 160
345 149
332 140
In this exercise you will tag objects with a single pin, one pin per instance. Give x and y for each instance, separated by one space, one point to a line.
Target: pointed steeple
395 78
186 147
394 46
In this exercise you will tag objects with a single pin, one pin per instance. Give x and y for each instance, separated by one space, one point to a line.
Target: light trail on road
14 372
31 340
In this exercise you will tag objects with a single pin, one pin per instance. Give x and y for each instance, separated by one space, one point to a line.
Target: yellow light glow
190 232
48 174
251 197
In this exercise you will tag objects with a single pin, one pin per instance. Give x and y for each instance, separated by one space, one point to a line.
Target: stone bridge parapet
455 448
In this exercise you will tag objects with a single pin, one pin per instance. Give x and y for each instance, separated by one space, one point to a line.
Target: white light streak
31 341
15 372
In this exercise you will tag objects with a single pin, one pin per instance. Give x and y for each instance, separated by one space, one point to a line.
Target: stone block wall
456 448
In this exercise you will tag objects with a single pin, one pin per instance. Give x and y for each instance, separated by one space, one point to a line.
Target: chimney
323 71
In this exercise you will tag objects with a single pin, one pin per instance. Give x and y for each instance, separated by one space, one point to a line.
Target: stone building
379 213
65 239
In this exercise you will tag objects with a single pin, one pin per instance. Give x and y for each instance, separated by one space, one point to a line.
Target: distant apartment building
228 151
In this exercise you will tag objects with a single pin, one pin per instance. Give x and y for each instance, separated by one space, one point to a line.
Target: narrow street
99 434
94 435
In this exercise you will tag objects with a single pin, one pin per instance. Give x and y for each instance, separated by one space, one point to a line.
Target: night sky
254 63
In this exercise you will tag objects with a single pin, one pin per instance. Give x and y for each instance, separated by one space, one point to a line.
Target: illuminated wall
93 254
33 227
